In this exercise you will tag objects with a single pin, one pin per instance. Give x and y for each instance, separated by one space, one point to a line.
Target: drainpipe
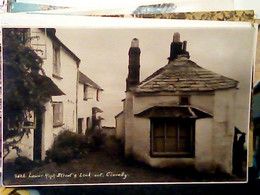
77 86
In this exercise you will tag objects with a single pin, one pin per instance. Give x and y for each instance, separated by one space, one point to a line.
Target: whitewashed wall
67 84
85 107
120 126
213 136
129 123
204 102
141 130
223 128
204 153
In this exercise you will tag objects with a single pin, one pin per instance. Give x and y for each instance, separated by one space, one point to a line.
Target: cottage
89 98
62 66
181 115
60 76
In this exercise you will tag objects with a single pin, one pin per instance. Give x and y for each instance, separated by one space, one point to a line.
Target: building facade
182 115
89 97
74 95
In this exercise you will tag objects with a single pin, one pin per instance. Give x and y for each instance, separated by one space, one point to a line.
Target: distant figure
99 120
97 123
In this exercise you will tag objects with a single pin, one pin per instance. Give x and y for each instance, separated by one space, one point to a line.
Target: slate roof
83 79
184 75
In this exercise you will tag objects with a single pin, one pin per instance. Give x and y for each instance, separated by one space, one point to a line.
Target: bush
23 164
66 146
96 139
69 145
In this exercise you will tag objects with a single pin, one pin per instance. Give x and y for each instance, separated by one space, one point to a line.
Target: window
56 61
57 114
88 92
172 137
85 92
184 100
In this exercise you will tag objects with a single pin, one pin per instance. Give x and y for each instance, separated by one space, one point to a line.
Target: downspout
77 86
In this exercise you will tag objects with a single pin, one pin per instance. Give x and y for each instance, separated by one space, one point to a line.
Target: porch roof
178 111
46 84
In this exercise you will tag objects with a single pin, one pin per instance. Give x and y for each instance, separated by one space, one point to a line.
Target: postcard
102 106
254 130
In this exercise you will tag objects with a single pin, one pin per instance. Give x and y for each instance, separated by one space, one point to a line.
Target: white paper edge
43 20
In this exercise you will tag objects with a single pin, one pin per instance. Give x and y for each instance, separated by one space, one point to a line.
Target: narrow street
109 166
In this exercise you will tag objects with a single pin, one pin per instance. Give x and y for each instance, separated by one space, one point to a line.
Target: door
80 120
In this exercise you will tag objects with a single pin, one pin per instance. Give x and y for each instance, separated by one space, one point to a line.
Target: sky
104 58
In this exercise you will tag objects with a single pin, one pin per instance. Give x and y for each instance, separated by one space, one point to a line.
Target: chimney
177 47
134 65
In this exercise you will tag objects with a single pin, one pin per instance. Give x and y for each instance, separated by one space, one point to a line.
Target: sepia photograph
126 105
254 136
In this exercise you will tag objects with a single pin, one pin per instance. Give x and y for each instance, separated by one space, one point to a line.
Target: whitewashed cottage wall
85 106
67 84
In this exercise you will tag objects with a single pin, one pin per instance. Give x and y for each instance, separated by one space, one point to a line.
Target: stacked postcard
148 95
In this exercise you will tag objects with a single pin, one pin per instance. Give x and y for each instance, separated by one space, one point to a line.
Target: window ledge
58 125
172 155
56 76
86 99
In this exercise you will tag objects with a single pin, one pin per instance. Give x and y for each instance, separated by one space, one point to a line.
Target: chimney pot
135 43
176 37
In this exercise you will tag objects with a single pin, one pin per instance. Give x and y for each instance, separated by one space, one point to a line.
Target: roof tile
183 74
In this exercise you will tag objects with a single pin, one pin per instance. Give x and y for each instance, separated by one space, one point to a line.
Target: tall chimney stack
177 47
134 65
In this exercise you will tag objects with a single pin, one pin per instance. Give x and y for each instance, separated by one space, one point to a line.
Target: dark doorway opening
80 130
37 141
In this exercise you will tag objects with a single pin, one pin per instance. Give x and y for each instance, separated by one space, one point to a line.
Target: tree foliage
22 78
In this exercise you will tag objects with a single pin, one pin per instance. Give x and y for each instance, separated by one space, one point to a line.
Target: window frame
87 93
178 154
56 62
59 122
